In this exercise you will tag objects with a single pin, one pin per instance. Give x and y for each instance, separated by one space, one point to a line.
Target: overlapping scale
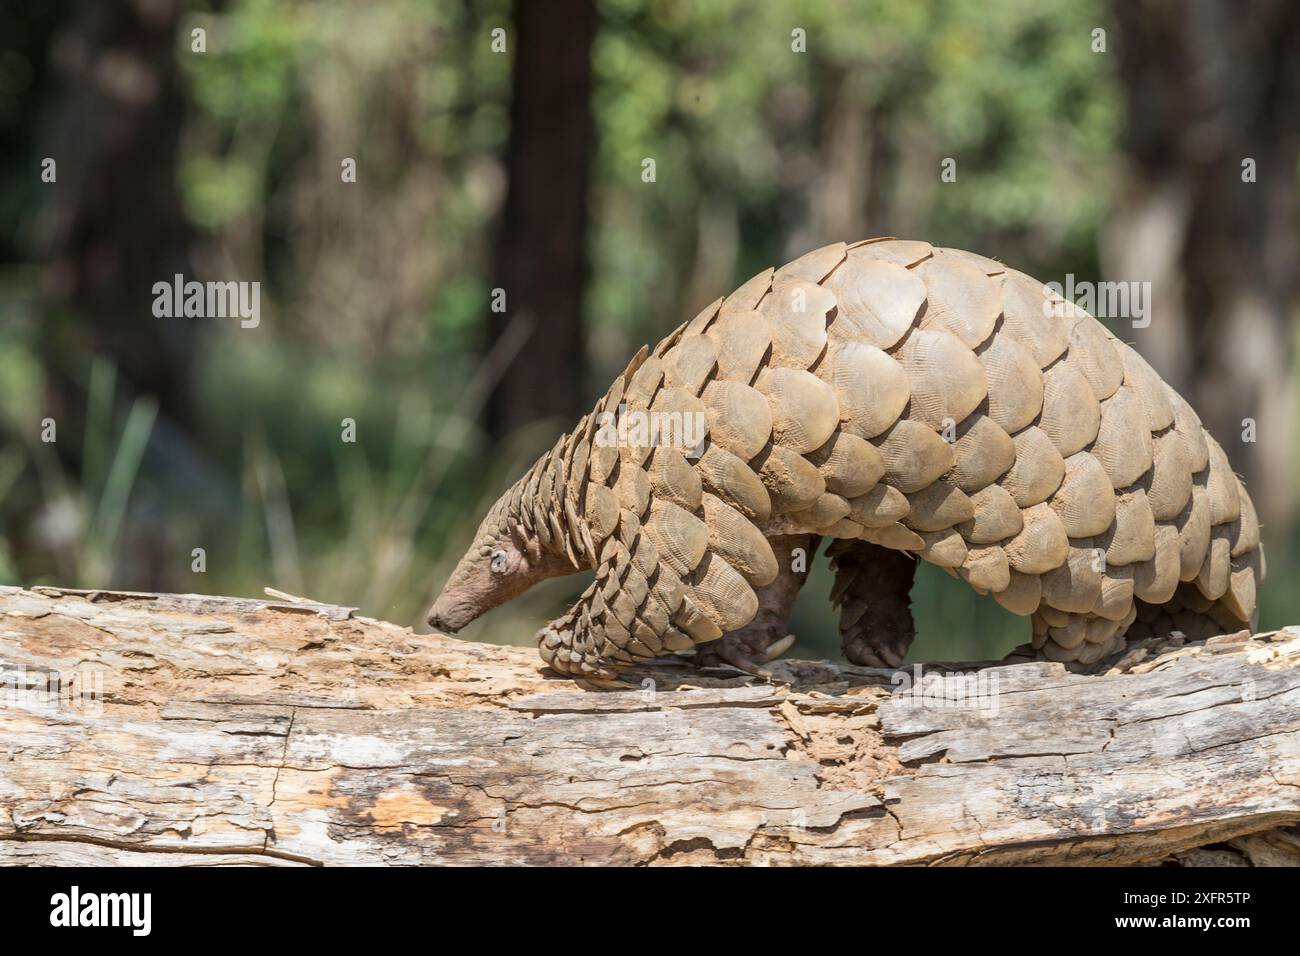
879 301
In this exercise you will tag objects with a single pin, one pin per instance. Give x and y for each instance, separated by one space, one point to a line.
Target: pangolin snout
448 619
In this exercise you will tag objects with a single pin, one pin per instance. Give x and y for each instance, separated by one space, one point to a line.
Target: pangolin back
920 398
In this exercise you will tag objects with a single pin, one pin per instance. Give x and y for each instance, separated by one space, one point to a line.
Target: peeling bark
235 731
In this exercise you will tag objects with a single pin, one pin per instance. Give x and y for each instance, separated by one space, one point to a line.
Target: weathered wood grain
235 732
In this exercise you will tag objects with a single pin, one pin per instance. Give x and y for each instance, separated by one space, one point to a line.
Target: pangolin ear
527 544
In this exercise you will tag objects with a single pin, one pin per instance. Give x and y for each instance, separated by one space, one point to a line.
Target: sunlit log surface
234 731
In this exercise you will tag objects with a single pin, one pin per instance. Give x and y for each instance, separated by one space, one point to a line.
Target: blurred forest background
523 170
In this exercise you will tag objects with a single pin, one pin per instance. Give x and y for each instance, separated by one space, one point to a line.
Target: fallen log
183 729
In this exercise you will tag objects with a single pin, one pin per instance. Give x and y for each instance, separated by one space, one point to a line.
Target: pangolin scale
901 399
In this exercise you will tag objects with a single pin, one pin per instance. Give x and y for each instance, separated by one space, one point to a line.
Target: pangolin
905 401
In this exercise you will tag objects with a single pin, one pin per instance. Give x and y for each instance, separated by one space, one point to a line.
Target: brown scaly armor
902 400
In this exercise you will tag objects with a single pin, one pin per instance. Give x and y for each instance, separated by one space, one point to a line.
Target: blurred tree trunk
1209 85
838 163
540 258
114 224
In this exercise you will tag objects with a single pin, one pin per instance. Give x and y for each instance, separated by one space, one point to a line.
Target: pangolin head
504 560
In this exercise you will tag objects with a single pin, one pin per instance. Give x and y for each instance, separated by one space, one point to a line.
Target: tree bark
278 732
540 258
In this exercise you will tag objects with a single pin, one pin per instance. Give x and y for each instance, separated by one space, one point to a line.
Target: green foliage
82 514
714 92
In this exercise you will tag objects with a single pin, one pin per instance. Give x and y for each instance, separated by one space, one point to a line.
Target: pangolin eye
498 561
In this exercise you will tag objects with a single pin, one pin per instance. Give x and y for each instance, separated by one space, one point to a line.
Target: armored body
906 401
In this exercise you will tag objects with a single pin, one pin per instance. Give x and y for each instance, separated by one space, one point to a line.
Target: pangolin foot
746 650
877 650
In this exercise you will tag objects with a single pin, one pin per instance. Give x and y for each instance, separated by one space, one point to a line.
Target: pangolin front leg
872 589
767 636
639 607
